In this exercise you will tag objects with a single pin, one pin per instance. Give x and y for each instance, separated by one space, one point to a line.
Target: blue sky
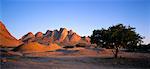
82 16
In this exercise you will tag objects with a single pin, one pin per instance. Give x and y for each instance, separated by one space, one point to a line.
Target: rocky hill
62 37
6 39
42 42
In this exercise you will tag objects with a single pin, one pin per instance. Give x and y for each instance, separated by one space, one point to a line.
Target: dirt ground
75 63
57 60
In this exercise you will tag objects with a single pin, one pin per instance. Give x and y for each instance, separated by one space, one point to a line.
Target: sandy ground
72 60
75 63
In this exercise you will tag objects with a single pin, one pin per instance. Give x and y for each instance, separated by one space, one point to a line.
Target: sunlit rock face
41 42
70 32
74 38
31 47
61 37
39 35
87 40
6 39
29 37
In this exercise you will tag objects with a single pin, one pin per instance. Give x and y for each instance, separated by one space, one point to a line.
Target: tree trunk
116 53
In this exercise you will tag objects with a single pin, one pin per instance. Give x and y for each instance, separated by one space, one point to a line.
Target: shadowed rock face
6 39
62 34
55 35
48 34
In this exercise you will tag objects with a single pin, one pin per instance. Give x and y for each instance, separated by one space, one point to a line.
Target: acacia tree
116 37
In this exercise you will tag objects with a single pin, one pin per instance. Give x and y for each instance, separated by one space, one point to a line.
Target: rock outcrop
62 37
39 35
6 39
62 34
48 33
50 41
74 38
28 37
86 40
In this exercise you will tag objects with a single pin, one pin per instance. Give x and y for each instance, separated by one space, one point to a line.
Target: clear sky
82 16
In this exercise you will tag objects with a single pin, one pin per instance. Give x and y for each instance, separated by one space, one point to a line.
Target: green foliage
116 37
140 48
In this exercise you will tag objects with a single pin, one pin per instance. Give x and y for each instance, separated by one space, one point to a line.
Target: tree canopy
116 37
